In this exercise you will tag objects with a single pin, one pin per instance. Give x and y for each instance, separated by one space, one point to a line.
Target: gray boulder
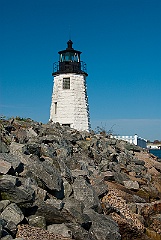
100 187
83 191
68 190
10 163
58 204
137 161
4 166
73 212
11 189
16 149
20 135
76 173
60 229
133 185
109 176
79 233
12 215
65 171
4 204
103 227
138 169
32 148
3 147
73 162
49 138
48 150
50 211
45 172
120 177
37 221
31 133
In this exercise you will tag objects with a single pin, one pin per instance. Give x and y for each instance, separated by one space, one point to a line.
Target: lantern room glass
69 57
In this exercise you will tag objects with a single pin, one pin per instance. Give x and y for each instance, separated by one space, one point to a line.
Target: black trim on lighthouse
69 62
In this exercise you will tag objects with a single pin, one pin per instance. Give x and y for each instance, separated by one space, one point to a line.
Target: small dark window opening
55 108
66 125
66 83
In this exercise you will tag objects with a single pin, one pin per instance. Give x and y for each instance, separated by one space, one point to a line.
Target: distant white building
151 145
136 140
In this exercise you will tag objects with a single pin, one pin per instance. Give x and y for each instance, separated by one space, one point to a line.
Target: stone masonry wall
72 104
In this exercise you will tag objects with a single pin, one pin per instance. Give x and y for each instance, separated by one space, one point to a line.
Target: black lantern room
69 62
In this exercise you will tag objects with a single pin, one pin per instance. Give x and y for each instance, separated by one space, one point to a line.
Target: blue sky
121 44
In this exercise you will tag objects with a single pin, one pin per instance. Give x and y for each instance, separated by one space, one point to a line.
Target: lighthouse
69 105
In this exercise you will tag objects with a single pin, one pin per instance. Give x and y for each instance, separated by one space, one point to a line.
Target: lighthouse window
66 83
68 56
55 107
66 125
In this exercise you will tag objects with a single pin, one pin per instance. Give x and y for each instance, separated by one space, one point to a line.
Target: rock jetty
58 183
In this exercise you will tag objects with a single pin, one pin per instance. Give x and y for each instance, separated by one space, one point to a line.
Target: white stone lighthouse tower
69 104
